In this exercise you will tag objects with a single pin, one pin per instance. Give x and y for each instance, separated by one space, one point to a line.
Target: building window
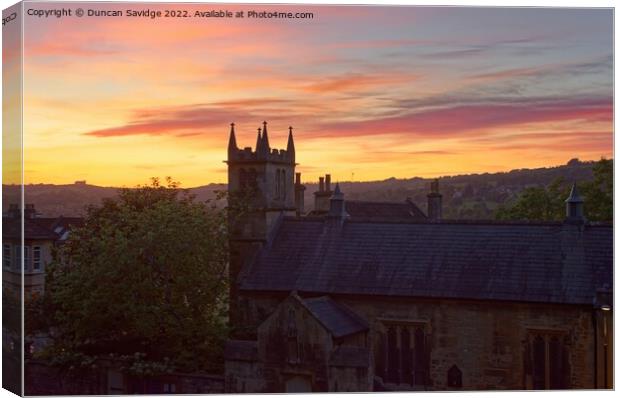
18 257
407 355
547 366
6 255
36 258
26 257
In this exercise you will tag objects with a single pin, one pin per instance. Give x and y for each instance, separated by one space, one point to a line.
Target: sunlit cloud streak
410 91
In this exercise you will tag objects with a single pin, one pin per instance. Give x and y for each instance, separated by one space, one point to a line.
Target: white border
480 3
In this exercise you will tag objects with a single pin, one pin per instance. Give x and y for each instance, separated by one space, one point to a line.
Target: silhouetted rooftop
522 261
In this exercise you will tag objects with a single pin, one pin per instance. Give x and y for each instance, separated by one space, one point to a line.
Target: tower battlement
262 152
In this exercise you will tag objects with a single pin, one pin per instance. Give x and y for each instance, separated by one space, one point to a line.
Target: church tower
261 189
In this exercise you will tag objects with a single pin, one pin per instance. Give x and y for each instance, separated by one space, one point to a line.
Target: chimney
574 206
14 211
336 206
434 210
29 211
299 195
328 182
322 196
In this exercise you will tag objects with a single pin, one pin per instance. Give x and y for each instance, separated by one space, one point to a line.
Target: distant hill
72 199
471 196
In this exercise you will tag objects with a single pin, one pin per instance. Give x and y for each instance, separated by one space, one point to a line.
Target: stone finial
232 141
290 146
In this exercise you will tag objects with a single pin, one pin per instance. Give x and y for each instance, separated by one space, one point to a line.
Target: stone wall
487 341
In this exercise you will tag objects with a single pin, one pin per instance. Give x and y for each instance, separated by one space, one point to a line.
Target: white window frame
17 257
37 258
26 258
7 255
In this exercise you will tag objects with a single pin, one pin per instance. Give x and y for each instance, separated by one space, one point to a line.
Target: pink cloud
457 120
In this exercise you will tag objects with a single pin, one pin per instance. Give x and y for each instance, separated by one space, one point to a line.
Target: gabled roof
546 262
339 320
42 228
11 228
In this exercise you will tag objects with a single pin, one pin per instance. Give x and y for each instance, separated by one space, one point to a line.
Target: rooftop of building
550 262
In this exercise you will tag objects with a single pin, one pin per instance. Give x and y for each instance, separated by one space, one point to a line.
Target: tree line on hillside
472 196
547 203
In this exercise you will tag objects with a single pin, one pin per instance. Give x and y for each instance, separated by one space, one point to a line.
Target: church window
247 179
283 184
292 341
243 179
277 183
392 356
548 359
406 353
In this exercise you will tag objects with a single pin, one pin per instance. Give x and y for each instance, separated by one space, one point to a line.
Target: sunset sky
372 92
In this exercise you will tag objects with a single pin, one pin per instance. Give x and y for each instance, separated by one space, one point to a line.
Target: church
361 296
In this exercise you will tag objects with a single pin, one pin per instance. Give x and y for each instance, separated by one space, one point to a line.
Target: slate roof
43 228
532 262
339 320
11 228
383 210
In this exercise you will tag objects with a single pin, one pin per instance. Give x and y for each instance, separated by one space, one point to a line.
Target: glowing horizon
372 92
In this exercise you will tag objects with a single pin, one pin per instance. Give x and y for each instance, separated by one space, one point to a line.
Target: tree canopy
144 280
546 203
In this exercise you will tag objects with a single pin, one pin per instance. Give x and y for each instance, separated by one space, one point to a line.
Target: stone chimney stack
434 210
29 211
323 195
14 211
299 194
574 206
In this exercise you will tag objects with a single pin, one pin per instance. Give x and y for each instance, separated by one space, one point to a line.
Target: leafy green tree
143 281
548 203
599 193
537 203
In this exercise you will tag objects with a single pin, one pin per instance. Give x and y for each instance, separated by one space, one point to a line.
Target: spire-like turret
259 142
336 205
232 142
265 138
290 146
574 205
